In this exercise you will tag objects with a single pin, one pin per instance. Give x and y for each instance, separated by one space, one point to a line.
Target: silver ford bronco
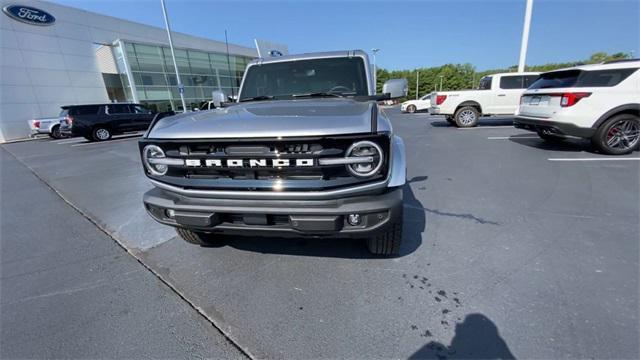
304 151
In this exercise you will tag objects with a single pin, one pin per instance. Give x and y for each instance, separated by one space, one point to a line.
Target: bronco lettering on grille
243 163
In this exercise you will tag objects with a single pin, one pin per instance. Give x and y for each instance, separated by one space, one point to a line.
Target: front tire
101 133
195 237
388 242
618 135
411 109
467 116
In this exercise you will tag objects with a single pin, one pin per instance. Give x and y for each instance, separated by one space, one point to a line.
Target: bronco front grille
263 164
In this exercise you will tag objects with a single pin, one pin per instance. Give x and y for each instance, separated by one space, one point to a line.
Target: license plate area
534 101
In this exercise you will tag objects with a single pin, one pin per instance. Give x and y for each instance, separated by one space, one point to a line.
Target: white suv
598 102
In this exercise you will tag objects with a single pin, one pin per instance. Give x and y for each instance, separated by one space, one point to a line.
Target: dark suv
98 122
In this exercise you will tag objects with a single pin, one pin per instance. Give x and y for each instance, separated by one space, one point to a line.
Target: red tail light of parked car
440 99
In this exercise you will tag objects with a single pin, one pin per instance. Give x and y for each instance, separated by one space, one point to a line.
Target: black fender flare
633 108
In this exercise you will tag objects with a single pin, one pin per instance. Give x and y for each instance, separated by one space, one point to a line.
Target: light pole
441 76
525 35
375 70
173 55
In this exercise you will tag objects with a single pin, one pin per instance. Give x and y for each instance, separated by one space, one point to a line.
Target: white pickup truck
497 94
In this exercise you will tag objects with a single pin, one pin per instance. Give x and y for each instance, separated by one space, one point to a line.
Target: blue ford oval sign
29 15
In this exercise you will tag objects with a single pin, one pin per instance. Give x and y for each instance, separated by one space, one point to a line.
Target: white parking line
487 127
107 142
511 137
69 141
595 159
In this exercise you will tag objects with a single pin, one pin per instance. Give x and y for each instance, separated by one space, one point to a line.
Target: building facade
80 57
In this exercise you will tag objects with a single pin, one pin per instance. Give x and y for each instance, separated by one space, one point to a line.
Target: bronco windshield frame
285 79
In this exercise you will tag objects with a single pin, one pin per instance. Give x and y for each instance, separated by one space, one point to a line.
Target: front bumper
552 127
321 218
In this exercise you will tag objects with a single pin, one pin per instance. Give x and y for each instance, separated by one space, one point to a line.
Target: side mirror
396 88
218 98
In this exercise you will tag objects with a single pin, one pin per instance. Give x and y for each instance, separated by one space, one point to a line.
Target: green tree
465 76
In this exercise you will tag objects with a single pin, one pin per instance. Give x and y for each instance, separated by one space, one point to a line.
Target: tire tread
387 243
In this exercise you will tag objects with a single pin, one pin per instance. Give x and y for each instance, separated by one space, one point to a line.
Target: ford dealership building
54 55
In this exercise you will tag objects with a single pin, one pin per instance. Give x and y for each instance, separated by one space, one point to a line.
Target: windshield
345 76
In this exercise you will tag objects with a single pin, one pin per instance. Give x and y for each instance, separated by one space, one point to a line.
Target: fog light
170 213
354 219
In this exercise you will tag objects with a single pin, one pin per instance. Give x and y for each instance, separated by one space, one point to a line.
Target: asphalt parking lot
513 248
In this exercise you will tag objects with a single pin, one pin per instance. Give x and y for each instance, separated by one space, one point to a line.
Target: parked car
304 152
412 106
598 102
49 126
497 94
99 122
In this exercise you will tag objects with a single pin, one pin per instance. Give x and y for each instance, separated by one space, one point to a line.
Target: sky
411 34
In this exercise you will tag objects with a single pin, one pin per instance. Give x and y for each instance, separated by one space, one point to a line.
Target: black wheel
411 109
618 135
388 242
195 237
467 116
450 120
55 132
101 133
550 137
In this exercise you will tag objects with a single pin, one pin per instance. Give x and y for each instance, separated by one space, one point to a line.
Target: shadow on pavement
567 145
476 337
414 225
482 122
441 124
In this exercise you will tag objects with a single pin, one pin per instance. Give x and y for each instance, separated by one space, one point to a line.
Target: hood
274 118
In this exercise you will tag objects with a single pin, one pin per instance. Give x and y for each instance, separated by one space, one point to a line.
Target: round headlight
365 149
154 152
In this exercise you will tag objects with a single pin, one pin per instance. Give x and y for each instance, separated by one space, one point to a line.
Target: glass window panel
171 79
200 80
197 55
141 94
150 64
180 54
125 80
128 94
225 81
183 67
198 67
159 93
146 50
153 79
189 92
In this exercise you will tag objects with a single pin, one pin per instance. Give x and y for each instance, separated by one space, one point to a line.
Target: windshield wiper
322 94
257 98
